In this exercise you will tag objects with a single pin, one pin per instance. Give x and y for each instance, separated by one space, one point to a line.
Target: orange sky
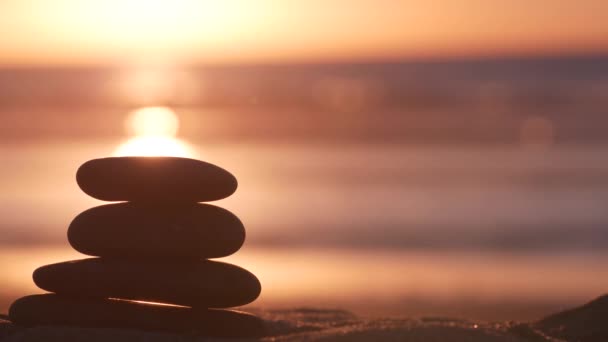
109 31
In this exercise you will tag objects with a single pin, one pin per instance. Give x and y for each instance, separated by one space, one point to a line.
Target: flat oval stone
154 179
201 283
131 230
51 309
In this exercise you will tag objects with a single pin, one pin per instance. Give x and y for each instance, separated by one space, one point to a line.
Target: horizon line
396 60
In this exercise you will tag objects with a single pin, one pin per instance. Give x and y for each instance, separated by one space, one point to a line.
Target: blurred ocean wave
354 196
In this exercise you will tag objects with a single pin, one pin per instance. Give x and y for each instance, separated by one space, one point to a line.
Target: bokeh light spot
537 132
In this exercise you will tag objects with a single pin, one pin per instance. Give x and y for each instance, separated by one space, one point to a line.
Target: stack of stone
154 247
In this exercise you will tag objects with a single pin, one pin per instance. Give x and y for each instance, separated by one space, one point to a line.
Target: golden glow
155 129
94 31
153 147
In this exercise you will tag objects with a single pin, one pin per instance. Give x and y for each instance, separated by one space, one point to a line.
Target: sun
154 130
153 121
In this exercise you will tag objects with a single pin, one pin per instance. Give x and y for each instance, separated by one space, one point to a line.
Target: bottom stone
51 309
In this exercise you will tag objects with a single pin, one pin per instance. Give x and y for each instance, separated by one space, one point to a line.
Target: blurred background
394 157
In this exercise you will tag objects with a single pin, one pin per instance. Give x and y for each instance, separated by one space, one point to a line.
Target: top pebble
154 179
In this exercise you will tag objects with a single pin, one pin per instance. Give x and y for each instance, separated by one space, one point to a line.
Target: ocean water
472 189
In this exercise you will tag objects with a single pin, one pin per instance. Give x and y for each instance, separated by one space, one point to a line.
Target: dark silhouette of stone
155 179
153 248
201 283
131 230
51 309
588 323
